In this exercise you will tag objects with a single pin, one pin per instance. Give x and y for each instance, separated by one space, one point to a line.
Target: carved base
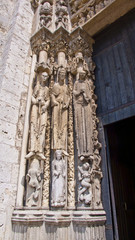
41 224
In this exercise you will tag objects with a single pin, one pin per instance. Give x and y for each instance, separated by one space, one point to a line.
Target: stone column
21 181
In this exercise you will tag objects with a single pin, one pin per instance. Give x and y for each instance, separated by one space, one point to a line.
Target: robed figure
59 102
83 115
38 119
58 179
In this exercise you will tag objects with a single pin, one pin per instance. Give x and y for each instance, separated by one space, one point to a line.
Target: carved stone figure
61 14
38 120
59 102
58 179
33 188
46 15
84 176
83 115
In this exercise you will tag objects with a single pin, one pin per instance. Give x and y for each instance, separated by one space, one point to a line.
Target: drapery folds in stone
67 60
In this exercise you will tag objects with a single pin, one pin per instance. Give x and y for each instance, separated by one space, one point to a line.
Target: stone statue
83 115
38 120
84 176
58 180
33 188
59 102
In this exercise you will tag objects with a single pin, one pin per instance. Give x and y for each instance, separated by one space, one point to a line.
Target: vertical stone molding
70 144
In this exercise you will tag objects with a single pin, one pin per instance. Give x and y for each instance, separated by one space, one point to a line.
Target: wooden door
114 56
121 145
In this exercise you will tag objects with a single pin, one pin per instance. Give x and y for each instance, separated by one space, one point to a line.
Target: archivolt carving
83 10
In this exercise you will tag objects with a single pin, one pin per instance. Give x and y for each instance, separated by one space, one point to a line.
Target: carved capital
60 41
80 42
41 40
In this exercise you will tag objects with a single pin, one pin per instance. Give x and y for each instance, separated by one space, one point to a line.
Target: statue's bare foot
29 155
41 155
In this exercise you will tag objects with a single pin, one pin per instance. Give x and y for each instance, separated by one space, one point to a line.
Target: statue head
61 75
82 75
44 77
58 154
86 166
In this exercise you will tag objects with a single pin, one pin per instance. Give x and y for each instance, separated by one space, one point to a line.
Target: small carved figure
38 120
59 102
46 15
83 115
62 20
62 14
58 179
33 178
84 176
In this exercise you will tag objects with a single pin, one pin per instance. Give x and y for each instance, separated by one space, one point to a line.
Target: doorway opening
120 138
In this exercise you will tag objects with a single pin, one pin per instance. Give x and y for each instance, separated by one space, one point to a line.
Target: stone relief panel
84 176
34 183
83 10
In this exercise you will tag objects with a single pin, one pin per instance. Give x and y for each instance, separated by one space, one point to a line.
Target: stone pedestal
41 224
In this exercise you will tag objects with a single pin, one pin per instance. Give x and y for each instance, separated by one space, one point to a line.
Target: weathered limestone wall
6 11
15 22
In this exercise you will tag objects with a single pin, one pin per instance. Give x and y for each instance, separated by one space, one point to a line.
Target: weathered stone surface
15 31
64 55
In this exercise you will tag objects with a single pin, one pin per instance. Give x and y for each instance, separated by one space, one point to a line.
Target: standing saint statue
38 119
60 102
83 115
58 179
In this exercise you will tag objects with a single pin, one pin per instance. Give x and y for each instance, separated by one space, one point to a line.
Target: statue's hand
55 103
44 108
33 101
65 106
